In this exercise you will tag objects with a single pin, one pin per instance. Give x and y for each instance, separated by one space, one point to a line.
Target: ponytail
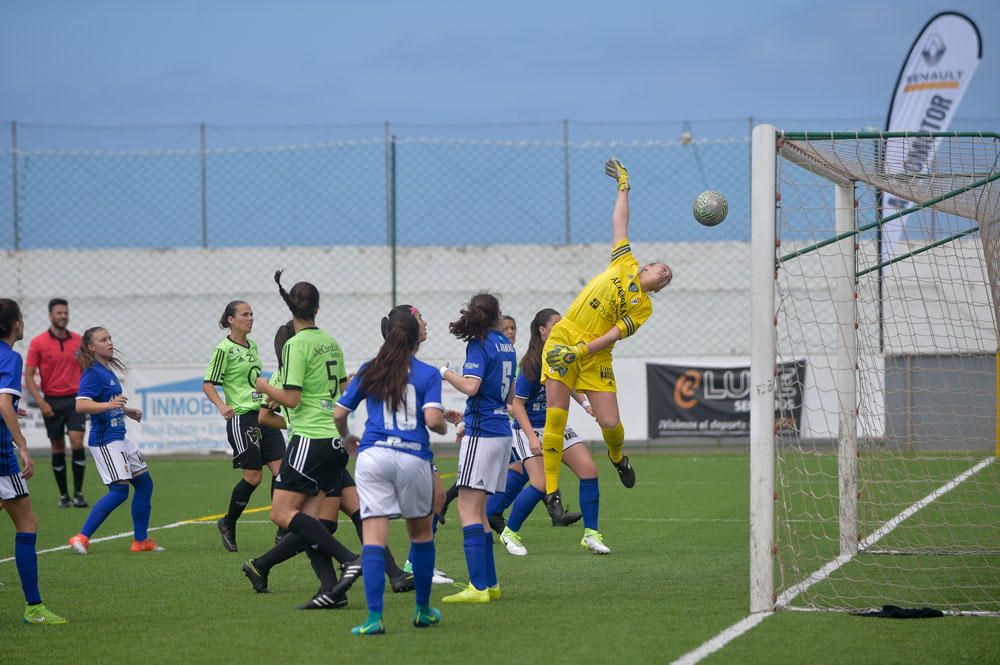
531 361
387 375
302 300
480 316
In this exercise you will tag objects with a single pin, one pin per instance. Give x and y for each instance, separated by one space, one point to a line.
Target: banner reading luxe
688 401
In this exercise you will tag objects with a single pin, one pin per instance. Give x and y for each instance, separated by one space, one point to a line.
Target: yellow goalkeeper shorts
592 372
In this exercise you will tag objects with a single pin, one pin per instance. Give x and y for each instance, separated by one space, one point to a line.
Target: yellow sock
552 446
615 440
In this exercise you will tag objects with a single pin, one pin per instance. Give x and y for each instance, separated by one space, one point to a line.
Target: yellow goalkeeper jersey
612 298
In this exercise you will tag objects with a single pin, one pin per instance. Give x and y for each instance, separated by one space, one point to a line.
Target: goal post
872 481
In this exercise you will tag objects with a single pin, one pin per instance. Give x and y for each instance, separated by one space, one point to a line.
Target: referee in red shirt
53 354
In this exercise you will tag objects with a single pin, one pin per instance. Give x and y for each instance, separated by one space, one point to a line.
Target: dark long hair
10 314
302 300
531 361
284 333
87 358
386 376
480 316
229 311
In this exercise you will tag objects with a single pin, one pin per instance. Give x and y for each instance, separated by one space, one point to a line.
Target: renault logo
934 50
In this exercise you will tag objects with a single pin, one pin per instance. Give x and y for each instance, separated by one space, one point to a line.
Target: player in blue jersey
395 476
13 480
487 379
528 408
117 458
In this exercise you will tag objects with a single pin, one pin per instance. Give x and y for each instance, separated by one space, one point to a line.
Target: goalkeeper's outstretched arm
620 215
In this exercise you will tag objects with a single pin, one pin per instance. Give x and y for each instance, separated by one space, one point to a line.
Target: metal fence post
569 228
390 204
204 192
13 156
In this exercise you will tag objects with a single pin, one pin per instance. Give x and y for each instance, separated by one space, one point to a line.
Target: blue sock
141 505
26 561
590 502
523 506
117 493
497 503
491 567
422 557
475 554
373 573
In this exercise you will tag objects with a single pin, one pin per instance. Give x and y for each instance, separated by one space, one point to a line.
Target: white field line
124 534
752 621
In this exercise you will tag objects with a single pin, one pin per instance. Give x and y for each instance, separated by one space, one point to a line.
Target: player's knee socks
523 505
590 502
614 438
284 550
313 534
515 482
475 555
341 553
117 493
552 446
322 565
26 560
356 520
422 557
59 470
142 505
79 467
239 499
372 565
490 564
450 495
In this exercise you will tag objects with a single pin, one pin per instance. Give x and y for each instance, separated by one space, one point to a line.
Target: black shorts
311 466
253 444
65 417
346 480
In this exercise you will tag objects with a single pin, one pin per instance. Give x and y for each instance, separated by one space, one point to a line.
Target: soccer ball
710 208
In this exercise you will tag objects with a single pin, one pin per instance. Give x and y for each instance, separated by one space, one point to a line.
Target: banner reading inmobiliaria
935 75
715 401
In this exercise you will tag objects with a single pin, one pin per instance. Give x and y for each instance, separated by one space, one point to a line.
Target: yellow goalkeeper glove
617 170
560 356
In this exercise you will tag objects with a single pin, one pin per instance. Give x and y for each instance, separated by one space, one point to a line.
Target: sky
310 62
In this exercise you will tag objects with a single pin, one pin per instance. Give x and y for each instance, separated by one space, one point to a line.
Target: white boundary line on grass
752 621
124 534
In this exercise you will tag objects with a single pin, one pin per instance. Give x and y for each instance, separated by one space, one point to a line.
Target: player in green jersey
313 376
235 367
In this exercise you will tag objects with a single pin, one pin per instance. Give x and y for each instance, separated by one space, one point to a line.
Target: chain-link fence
152 239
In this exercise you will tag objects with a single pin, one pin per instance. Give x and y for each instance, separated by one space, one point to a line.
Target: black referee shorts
65 417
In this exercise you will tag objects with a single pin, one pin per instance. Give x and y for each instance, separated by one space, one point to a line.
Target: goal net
876 264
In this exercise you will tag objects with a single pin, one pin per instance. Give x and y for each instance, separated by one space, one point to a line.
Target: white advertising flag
935 75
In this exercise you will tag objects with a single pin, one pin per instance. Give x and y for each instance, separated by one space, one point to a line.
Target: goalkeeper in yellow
577 354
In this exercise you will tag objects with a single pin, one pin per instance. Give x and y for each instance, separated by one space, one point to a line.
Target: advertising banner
715 401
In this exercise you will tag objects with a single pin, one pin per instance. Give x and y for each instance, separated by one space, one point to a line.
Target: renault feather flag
935 75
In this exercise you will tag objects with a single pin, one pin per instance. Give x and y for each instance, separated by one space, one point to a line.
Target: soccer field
677 577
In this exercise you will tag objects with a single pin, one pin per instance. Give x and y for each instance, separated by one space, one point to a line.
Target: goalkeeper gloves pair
560 356
617 170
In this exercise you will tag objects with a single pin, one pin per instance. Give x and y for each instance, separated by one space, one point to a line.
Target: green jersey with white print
236 367
313 363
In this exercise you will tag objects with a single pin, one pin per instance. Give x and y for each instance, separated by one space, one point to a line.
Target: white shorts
13 487
392 483
520 449
117 461
483 461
